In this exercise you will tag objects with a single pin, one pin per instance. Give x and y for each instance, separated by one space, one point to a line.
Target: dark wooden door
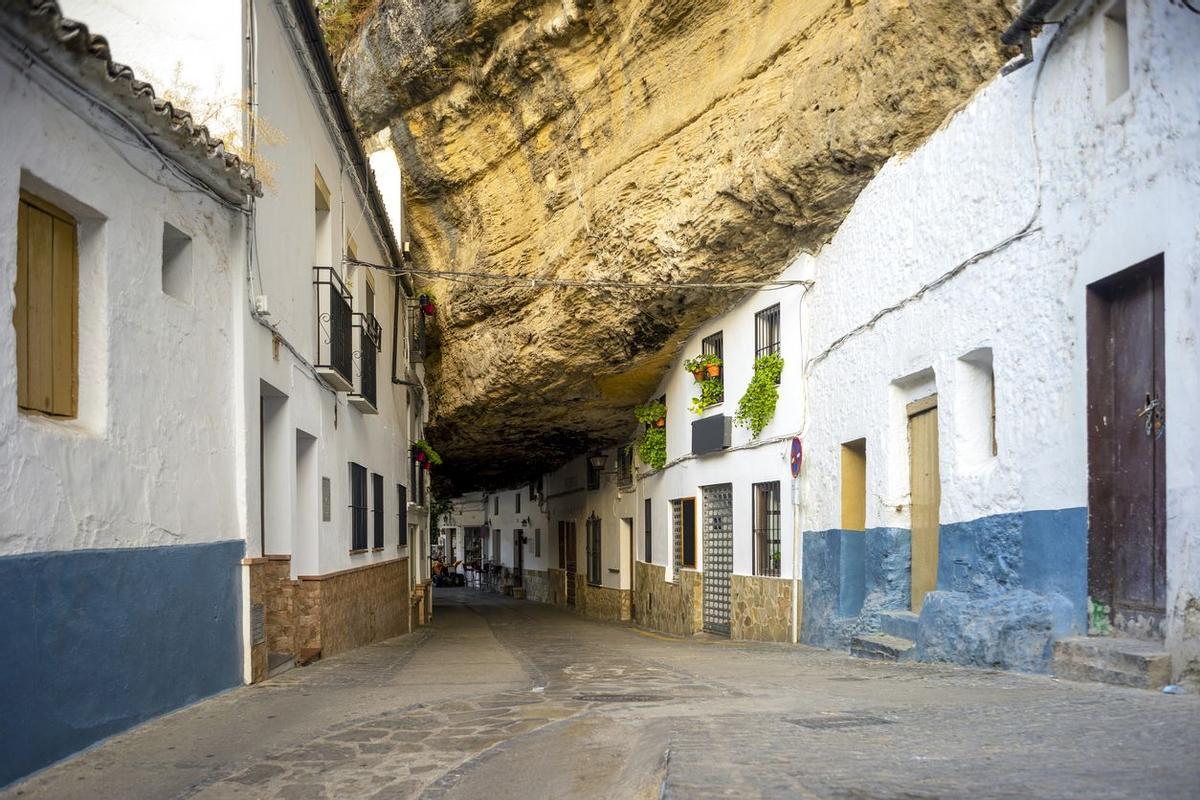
572 550
1127 563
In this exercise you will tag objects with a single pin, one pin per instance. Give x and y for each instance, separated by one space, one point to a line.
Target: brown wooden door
926 489
572 550
1127 563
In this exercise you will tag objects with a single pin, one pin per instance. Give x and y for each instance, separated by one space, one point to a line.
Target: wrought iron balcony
370 338
335 334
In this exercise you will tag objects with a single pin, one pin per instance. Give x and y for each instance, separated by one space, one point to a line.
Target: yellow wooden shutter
47 308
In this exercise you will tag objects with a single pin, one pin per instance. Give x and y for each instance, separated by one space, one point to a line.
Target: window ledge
376 549
358 552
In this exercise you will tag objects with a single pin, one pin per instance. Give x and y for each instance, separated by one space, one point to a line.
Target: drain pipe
1031 16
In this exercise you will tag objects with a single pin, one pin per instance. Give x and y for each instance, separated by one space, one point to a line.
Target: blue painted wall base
1008 585
92 642
849 577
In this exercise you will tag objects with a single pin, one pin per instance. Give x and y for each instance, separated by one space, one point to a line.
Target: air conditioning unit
711 434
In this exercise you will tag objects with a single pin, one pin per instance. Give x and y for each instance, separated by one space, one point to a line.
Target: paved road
505 699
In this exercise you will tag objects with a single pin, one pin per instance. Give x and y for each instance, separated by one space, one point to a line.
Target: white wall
748 461
296 139
285 244
144 464
1120 183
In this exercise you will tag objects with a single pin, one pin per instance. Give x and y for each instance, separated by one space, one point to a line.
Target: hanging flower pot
661 422
421 457
428 307
713 370
698 374
428 466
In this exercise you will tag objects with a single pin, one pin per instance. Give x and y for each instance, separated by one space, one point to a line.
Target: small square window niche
176 263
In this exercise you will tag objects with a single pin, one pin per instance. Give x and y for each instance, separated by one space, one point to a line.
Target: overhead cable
497 279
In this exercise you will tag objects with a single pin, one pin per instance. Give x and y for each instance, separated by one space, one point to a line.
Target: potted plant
652 414
712 392
428 304
425 454
703 366
652 447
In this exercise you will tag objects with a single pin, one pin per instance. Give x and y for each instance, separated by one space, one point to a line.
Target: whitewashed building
121 257
991 377
213 481
335 510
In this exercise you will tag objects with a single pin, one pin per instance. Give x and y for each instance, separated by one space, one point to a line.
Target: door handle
1154 416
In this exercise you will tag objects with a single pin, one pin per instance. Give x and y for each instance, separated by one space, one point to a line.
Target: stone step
1115 660
882 647
900 623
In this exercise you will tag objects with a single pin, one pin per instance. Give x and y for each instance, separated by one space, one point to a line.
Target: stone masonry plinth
761 608
670 607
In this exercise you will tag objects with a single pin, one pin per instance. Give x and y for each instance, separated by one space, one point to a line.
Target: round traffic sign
797 456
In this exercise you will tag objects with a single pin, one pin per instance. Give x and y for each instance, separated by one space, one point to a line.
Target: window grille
766 331
377 491
358 507
625 465
648 537
537 542
593 476
402 514
714 346
518 500
767 550
496 504
593 551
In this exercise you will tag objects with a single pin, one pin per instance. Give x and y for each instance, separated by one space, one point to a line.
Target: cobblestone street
506 699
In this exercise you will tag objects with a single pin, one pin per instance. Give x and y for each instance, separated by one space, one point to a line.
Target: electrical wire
1028 229
496 279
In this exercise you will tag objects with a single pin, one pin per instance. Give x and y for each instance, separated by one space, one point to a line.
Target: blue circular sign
797 456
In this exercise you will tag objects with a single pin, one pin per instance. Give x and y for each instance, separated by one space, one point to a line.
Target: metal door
718 555
925 485
1127 561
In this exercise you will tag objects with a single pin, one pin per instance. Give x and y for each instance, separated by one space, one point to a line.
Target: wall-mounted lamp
598 461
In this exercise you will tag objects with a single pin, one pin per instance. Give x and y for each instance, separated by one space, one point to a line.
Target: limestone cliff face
662 140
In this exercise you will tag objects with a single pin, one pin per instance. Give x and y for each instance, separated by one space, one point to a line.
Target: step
1112 659
900 623
882 647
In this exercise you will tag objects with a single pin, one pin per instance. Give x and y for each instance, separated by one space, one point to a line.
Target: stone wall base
670 607
602 602
760 608
327 614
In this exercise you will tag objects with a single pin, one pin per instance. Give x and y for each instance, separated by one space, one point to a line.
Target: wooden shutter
46 315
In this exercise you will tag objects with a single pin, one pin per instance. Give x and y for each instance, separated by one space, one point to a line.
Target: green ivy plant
430 453
757 406
712 391
652 447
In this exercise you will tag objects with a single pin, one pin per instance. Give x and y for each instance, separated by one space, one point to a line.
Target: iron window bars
370 342
714 346
377 511
402 514
594 542
766 331
767 551
649 516
358 507
335 334
593 476
416 332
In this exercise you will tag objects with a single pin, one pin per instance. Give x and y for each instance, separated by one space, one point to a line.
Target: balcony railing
370 338
335 334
